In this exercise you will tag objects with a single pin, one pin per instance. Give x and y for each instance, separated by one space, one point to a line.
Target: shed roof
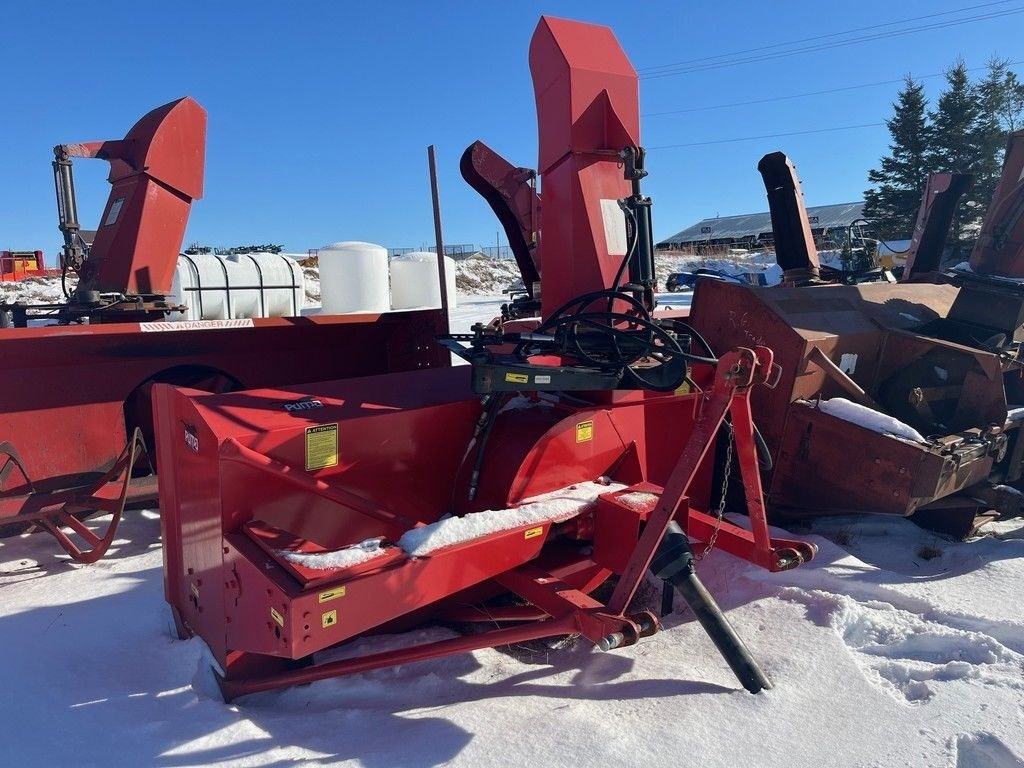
757 224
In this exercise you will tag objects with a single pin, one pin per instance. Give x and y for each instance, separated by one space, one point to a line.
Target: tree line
965 133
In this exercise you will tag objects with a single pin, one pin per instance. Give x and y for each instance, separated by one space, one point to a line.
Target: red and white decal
195 325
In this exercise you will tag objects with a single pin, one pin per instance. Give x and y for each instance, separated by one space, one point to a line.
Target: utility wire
809 93
746 51
837 44
767 136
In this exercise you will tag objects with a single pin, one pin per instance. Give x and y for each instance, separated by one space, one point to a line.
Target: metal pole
439 240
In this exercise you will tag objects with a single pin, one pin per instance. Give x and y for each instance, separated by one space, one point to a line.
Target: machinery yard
588 505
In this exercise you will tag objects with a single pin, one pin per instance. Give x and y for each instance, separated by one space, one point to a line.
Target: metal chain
725 489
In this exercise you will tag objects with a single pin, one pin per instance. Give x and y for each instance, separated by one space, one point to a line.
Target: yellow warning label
321 446
195 591
517 378
584 431
331 594
277 617
328 618
533 533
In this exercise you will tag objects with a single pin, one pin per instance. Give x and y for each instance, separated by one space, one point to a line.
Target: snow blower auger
75 376
575 450
900 398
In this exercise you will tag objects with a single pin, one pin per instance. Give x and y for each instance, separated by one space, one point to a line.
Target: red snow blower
75 376
532 488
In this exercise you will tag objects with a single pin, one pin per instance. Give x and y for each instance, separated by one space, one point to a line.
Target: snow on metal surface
869 418
346 557
555 506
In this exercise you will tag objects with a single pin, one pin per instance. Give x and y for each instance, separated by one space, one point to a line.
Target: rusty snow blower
899 398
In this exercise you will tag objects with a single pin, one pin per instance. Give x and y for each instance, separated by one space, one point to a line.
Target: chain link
725 489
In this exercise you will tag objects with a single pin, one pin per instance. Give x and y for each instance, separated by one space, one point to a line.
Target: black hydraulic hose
689 330
485 434
673 562
764 456
629 253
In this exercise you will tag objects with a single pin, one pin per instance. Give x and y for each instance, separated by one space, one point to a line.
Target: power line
746 51
767 136
839 89
838 44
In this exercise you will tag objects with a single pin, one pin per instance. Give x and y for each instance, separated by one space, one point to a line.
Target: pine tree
899 181
958 144
1001 106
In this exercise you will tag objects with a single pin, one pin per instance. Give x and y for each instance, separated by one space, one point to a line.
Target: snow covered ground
894 647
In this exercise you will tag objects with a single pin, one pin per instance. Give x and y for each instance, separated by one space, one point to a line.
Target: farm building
829 224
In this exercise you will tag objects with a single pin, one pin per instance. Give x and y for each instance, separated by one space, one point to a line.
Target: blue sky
320 112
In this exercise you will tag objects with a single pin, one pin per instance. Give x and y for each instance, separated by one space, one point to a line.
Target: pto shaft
673 562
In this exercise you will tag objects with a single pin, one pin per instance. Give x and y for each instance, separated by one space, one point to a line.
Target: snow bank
346 557
35 290
482 275
549 507
869 418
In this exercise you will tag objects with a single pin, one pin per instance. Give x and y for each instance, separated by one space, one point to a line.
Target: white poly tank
354 278
238 286
414 281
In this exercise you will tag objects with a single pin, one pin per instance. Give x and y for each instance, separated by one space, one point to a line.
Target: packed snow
552 507
869 418
357 554
638 500
894 647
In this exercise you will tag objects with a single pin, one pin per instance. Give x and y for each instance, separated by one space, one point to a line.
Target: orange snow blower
532 488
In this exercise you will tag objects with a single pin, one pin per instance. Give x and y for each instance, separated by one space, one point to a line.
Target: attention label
584 431
331 594
517 378
533 533
277 617
321 446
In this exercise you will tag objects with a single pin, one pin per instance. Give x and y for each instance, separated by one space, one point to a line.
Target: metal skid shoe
57 511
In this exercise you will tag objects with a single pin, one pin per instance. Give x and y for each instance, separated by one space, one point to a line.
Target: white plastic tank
414 280
354 278
239 286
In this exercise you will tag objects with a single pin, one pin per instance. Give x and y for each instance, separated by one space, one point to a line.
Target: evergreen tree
899 181
958 144
1001 105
